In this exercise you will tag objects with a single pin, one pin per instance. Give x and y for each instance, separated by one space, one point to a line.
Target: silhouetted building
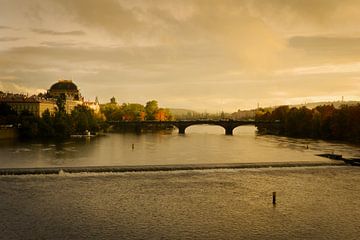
66 89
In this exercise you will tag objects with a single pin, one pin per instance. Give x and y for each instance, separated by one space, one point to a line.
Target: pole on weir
274 198
132 146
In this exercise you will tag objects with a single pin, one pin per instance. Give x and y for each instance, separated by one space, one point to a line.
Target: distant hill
250 114
179 113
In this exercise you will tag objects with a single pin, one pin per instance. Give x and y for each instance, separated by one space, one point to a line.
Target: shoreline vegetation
322 122
82 121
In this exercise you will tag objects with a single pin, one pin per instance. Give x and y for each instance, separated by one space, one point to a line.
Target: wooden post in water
274 198
132 146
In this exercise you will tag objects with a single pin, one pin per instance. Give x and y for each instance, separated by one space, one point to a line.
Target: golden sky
207 55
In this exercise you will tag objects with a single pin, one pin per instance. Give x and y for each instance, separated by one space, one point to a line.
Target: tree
61 102
111 112
83 119
28 125
133 112
163 114
7 114
46 125
150 109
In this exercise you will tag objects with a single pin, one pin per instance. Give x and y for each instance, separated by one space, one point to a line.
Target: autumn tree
150 109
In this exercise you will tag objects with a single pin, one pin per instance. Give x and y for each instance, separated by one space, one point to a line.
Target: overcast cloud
203 55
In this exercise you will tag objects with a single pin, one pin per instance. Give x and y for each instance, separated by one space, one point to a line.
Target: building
33 104
95 106
65 89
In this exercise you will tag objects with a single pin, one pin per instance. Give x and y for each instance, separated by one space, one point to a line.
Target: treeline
323 122
57 125
81 119
135 111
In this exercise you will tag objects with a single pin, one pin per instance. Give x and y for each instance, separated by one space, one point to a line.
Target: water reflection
200 144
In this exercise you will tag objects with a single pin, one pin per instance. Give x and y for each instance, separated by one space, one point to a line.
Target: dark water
200 145
312 203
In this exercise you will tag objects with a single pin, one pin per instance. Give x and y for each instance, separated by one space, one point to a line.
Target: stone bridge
181 125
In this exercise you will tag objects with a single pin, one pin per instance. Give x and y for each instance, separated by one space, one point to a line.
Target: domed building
40 103
69 91
65 88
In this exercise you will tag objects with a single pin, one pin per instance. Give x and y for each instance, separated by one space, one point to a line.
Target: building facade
37 105
65 89
33 104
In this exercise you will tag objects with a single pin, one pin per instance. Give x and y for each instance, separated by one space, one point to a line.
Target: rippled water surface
312 203
200 144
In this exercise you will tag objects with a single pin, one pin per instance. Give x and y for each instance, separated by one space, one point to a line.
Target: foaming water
312 203
200 145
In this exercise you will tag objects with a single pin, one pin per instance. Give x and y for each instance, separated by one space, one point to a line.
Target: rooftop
64 85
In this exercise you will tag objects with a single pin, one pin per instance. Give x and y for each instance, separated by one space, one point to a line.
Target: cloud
58 44
10 39
254 34
308 17
17 88
226 25
339 45
305 51
5 27
109 15
57 33
8 77
187 52
324 69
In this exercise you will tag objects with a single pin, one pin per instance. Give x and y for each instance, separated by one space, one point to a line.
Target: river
312 202
200 145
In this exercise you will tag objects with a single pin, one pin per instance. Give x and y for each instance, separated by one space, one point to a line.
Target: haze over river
312 202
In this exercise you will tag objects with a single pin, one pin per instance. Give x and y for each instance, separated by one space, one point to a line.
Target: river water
312 202
200 145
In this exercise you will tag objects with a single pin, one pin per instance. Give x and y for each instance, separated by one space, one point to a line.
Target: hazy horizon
200 55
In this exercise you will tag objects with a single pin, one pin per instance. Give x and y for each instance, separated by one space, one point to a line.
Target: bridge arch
244 131
228 125
184 129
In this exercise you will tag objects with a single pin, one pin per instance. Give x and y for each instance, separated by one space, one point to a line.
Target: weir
154 168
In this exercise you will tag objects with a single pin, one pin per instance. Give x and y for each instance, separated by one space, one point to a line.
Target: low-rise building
95 106
37 105
33 104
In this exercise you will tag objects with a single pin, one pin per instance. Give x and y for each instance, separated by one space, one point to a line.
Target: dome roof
64 85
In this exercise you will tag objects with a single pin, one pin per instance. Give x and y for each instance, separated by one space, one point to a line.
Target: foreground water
312 203
200 145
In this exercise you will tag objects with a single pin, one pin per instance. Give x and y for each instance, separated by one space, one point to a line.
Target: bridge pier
229 130
181 130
